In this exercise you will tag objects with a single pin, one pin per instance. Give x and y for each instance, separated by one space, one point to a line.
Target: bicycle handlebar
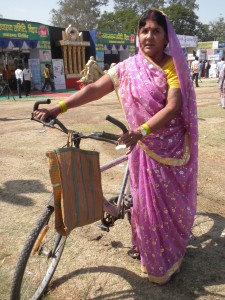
104 136
37 103
117 123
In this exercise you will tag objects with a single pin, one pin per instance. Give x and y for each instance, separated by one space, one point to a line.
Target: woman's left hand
130 139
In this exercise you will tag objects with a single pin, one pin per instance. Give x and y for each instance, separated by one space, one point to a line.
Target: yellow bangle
63 106
147 128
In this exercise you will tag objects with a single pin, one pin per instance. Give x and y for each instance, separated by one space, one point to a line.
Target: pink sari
163 167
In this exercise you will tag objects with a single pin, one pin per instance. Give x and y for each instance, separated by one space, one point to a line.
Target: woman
222 86
158 99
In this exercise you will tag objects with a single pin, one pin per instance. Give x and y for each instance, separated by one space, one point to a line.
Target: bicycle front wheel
38 260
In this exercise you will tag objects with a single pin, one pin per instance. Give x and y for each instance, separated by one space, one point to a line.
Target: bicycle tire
28 264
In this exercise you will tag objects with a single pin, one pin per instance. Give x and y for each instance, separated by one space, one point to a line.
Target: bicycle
44 246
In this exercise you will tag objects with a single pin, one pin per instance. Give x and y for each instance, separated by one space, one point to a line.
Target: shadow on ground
13 191
202 273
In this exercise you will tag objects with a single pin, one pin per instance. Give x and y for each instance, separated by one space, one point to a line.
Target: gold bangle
147 128
63 106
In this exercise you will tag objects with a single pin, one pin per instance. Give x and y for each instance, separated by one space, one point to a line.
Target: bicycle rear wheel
39 259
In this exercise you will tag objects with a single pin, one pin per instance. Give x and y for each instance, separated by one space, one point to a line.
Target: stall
22 42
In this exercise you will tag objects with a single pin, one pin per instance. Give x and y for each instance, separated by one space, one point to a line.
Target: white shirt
27 74
19 74
222 72
219 66
194 66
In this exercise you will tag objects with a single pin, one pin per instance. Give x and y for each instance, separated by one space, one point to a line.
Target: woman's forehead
151 24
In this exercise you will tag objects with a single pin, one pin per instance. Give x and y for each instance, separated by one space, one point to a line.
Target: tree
122 21
124 4
83 14
217 29
139 6
203 32
184 20
190 4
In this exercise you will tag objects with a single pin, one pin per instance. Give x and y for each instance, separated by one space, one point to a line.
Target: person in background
19 79
27 76
200 66
203 69
222 86
7 75
158 99
48 80
207 67
52 78
194 69
219 66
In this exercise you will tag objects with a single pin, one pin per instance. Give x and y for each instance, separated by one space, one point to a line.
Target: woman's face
153 39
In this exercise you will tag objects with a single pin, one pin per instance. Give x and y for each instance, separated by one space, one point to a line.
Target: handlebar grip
37 103
110 136
117 123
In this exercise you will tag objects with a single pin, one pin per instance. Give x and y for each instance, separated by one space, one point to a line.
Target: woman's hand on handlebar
43 114
130 139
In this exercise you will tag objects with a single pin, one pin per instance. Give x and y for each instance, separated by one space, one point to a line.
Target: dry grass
92 269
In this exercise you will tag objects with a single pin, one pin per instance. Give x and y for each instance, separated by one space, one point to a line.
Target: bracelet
63 106
146 128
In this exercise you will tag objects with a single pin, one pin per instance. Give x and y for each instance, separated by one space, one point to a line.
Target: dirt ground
95 264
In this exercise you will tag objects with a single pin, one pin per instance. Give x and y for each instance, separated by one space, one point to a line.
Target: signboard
205 45
23 30
214 57
45 55
109 37
23 35
221 44
58 71
34 65
187 41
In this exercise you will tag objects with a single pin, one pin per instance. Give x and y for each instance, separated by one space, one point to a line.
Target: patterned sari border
163 279
167 160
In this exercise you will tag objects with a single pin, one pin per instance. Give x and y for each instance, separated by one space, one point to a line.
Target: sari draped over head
163 166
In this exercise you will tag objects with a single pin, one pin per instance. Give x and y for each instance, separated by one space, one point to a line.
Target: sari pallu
163 166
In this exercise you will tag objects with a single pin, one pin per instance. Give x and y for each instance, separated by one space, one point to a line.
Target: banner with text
58 71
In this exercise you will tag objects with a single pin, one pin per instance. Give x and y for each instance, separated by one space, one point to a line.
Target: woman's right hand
43 114
130 139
